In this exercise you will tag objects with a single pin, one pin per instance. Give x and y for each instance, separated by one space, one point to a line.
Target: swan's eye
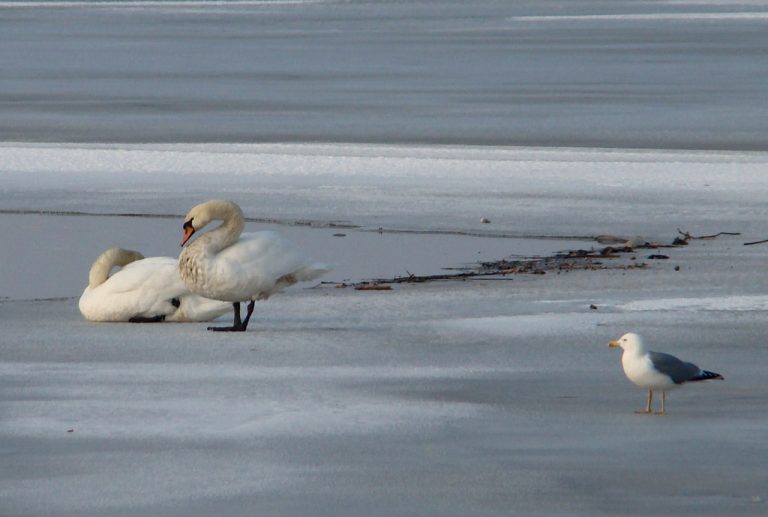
188 224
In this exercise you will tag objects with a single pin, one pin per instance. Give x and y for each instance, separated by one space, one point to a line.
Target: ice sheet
524 192
560 73
475 398
469 398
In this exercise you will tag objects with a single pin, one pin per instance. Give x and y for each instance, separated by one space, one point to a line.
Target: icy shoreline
523 191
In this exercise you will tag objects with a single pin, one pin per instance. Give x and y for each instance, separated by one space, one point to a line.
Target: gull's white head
630 342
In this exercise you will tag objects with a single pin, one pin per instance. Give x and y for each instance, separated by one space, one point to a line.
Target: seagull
655 370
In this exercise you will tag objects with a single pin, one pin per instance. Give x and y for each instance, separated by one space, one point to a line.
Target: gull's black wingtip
705 375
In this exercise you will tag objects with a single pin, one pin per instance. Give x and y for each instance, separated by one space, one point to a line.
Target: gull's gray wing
679 371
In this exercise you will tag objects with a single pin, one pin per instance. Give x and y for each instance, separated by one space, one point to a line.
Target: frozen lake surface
399 125
678 74
462 398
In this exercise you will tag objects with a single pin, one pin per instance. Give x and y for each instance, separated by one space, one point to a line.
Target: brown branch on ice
503 269
686 236
627 244
372 287
573 260
755 242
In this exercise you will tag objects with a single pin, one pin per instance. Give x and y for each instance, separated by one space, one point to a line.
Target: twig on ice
687 236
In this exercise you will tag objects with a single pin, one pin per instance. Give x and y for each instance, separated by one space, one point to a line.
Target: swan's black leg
248 314
237 325
145 319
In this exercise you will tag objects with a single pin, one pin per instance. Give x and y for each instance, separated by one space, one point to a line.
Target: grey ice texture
479 398
680 74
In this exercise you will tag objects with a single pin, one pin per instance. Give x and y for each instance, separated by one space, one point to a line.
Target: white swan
144 290
224 265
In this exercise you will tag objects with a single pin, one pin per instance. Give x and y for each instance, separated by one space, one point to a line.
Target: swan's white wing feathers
146 288
258 265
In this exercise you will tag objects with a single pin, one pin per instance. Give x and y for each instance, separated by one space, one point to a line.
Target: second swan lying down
144 290
224 265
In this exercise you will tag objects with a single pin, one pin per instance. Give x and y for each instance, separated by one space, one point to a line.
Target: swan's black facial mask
188 231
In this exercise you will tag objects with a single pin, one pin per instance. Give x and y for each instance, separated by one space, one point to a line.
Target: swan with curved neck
226 264
144 290
104 263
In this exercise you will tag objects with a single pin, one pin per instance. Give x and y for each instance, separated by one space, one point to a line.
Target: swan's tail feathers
304 274
705 375
312 272
107 260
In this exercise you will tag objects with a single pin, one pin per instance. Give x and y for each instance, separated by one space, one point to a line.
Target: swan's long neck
195 259
226 233
106 261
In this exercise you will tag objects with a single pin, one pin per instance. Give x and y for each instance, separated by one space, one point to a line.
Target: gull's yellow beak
614 344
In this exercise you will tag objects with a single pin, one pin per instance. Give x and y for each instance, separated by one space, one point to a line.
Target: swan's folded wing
143 288
154 273
263 262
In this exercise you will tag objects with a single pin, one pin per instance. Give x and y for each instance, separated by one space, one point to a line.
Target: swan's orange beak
188 231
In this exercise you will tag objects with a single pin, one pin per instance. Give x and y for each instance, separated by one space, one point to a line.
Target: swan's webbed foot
145 319
237 324
227 329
